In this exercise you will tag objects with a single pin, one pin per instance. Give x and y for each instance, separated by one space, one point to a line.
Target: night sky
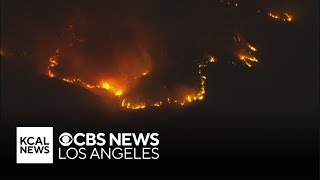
254 123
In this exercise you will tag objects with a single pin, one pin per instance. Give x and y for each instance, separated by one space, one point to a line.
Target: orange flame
117 92
120 93
245 53
281 16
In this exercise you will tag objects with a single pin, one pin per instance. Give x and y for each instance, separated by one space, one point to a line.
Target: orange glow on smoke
120 88
120 93
2 53
50 73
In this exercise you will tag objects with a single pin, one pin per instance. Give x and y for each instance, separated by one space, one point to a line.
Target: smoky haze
123 39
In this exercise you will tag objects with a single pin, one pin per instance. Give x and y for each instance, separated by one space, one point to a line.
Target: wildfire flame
245 53
281 16
252 48
248 58
119 93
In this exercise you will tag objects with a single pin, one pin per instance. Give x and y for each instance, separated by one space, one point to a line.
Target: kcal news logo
34 145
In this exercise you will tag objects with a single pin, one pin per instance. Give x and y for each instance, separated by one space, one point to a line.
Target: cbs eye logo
65 139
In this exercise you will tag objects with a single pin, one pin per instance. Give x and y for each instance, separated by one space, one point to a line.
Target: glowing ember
142 74
212 59
128 105
281 16
50 73
289 18
245 52
248 59
252 48
157 104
